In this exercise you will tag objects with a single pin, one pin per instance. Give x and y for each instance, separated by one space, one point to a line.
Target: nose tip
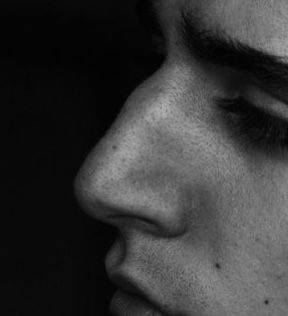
91 192
98 197
101 183
107 197
125 193
80 192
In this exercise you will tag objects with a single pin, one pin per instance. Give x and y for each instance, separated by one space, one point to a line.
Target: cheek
253 220
272 210
211 171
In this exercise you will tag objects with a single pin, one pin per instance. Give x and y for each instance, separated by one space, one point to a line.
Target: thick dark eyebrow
269 70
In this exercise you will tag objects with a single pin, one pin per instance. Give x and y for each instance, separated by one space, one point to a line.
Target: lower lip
131 305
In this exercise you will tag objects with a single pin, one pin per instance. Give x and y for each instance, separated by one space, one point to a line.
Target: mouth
127 304
130 299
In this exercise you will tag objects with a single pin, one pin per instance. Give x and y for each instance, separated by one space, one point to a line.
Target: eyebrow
269 70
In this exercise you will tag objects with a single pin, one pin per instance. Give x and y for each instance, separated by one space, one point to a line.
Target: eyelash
255 126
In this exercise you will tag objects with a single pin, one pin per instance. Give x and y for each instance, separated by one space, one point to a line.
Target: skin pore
202 210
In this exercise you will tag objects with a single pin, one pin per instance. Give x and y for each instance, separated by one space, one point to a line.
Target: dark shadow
58 69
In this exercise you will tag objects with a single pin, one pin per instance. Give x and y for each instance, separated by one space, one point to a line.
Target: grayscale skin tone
202 219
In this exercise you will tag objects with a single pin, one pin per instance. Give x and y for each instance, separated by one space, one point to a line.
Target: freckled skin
203 219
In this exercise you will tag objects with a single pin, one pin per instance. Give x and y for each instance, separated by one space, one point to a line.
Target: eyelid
246 107
254 127
263 110
266 102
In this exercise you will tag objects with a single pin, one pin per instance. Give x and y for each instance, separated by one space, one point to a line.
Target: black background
66 67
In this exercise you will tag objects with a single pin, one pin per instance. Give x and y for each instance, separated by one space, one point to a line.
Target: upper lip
126 284
129 286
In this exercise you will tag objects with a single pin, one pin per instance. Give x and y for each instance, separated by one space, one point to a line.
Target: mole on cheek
266 302
218 266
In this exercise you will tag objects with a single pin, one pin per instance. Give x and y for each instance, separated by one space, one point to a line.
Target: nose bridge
124 176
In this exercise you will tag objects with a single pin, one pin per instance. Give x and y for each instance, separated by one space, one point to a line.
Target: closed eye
255 126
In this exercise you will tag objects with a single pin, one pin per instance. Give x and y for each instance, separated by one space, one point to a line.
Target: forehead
262 24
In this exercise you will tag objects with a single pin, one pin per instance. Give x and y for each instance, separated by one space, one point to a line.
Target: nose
130 178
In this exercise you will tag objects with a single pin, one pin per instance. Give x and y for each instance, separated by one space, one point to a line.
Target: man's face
194 172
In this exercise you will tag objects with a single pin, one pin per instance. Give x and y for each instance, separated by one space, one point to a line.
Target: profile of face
194 171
